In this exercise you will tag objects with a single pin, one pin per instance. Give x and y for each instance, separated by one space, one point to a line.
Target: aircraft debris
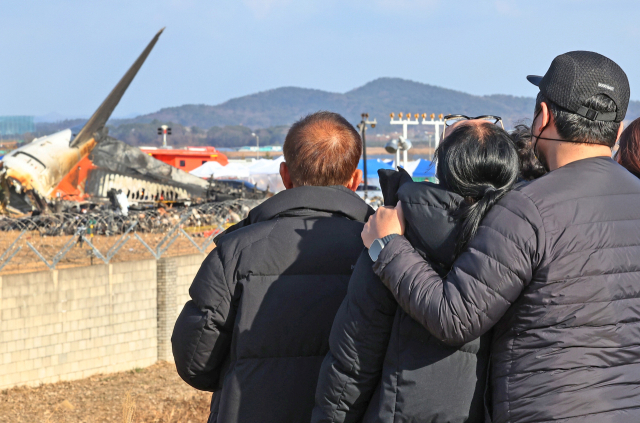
65 172
31 173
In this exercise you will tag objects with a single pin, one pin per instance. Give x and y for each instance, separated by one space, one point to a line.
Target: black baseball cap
576 76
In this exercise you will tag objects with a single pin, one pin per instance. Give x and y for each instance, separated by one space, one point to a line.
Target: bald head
322 149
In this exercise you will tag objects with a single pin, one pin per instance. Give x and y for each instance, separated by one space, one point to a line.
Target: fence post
166 285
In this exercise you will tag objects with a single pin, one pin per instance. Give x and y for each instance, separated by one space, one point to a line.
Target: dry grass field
154 394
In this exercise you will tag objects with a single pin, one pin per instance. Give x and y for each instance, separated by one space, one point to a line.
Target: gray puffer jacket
382 365
555 269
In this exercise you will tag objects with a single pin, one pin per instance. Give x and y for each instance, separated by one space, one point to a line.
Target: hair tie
489 189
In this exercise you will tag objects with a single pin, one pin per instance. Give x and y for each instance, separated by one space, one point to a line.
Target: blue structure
263 149
372 167
16 125
425 169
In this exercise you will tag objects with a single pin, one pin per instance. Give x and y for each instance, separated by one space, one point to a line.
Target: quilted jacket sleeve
202 334
484 280
357 345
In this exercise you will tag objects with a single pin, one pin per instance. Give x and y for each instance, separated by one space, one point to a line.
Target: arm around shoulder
484 280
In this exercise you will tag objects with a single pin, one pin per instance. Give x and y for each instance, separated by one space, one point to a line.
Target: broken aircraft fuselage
30 175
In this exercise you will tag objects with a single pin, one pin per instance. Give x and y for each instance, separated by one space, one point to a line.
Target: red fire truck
187 158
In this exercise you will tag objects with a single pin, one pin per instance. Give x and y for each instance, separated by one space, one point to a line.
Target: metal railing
61 240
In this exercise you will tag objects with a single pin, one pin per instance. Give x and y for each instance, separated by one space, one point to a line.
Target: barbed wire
52 241
109 222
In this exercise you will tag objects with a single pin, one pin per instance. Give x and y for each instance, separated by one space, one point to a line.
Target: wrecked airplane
90 165
30 175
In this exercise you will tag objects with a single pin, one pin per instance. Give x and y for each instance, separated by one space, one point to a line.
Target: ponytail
471 213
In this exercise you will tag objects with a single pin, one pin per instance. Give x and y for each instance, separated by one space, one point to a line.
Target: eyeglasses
450 120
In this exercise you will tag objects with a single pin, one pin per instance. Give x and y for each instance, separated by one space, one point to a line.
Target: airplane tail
96 123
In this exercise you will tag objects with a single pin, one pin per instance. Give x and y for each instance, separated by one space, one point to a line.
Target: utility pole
164 130
362 126
253 134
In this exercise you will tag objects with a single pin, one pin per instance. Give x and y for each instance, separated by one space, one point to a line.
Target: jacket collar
329 200
430 226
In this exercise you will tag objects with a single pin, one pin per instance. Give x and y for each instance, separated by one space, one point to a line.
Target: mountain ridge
269 113
284 105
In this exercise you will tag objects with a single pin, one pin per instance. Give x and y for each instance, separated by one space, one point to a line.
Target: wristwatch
378 244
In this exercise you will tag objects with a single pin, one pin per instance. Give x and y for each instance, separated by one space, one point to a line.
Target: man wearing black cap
582 101
554 268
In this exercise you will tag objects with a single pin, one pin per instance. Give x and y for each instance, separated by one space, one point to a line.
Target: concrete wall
71 323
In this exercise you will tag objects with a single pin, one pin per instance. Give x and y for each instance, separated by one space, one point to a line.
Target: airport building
16 125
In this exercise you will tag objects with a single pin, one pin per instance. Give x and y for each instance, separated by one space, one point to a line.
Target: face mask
539 157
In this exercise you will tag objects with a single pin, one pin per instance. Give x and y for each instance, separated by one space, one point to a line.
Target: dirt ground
156 394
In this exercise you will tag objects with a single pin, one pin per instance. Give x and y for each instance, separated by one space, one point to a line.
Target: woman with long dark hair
530 166
383 366
628 154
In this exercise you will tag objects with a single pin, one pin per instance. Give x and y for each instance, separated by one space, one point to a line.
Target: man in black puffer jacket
383 366
555 265
256 329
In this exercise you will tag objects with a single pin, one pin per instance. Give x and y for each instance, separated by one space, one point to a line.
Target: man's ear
356 179
545 117
286 177
620 129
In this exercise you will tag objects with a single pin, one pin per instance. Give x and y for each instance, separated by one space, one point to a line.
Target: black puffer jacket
257 327
383 366
555 266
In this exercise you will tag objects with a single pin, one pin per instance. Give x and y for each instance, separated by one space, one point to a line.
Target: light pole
403 144
164 130
436 124
362 126
253 134
396 146
393 148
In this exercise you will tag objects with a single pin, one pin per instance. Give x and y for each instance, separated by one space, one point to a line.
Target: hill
269 113
282 106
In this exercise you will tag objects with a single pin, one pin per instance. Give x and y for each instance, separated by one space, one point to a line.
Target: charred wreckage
91 170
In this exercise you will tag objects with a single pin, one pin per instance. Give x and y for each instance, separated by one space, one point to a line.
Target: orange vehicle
188 158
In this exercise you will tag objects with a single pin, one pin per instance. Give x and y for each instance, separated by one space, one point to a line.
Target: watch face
374 250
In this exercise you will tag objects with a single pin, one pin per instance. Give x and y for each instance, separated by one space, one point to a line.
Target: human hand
386 221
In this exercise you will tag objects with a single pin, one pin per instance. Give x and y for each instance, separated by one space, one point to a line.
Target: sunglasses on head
450 120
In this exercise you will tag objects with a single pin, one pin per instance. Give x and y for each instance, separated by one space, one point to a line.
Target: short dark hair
480 163
530 166
575 128
628 154
322 149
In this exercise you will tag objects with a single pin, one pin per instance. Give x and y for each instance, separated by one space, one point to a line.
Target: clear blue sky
64 56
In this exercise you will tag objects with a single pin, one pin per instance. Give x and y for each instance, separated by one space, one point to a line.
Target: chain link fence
55 241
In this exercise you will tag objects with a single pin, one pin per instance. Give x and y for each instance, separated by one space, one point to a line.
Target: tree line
146 134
